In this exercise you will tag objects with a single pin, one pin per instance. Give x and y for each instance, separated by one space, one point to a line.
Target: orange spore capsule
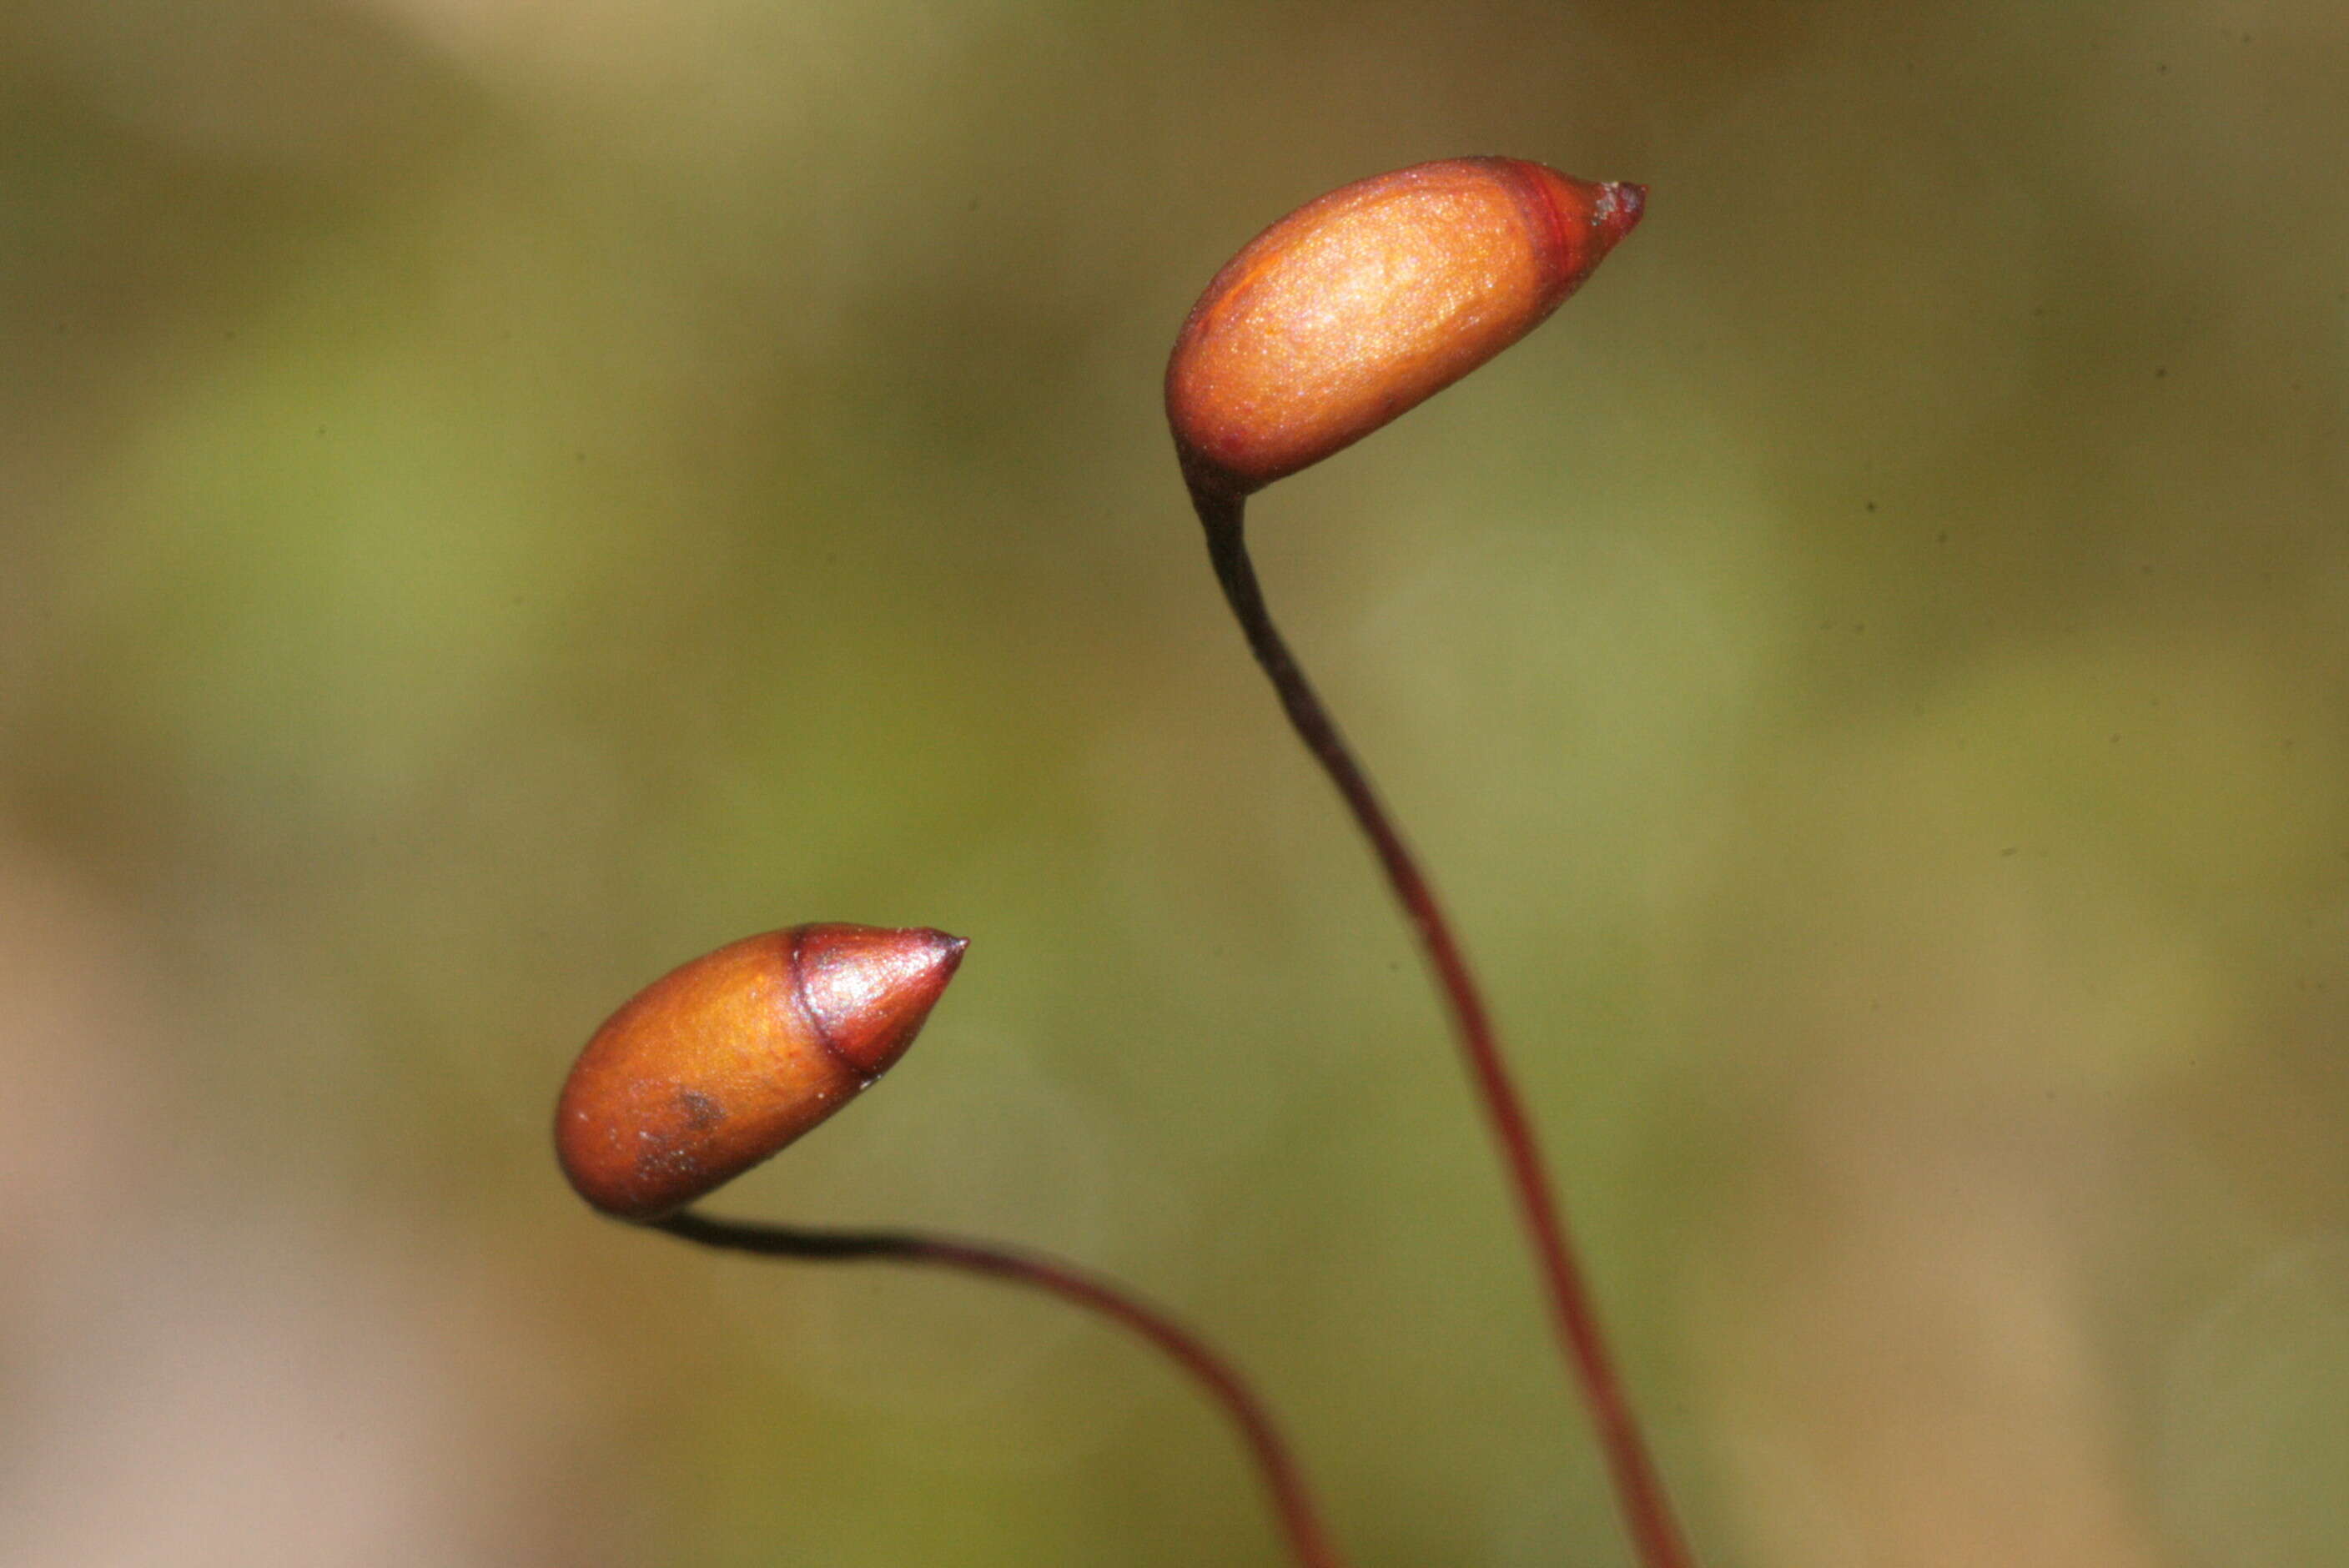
718 1064
1365 302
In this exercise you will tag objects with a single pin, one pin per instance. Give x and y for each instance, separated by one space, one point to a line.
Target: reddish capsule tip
869 990
721 1062
1630 205
1366 302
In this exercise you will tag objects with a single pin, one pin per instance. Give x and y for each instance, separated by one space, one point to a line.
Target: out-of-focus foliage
497 497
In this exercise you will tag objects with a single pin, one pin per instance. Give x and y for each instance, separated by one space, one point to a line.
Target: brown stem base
1301 1522
1639 1486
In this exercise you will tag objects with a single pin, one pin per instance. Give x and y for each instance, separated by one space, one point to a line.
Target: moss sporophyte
1352 310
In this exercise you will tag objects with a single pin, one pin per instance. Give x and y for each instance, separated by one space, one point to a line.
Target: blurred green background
499 497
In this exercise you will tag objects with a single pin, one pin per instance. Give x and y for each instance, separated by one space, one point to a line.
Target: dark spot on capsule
701 1112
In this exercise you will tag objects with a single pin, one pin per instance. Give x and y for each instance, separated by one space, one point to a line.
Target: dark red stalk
1299 1522
1640 1489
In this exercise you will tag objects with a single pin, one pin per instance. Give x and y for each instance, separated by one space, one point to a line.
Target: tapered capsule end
869 991
1583 221
1622 214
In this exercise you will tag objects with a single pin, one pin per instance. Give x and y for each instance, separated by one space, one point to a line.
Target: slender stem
1301 1522
1639 1486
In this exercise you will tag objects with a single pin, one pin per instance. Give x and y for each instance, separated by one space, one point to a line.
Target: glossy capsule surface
725 1060
1366 302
